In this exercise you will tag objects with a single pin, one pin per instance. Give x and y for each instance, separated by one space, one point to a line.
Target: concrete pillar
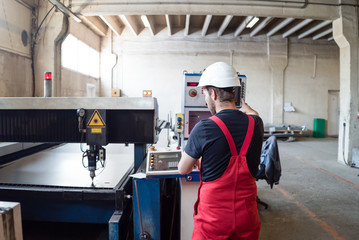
277 51
345 33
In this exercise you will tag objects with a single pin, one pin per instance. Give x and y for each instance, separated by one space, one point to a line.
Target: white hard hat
219 74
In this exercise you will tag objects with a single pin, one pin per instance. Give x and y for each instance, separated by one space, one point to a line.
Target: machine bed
62 166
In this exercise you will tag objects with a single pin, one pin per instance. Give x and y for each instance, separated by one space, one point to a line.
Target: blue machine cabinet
146 208
154 217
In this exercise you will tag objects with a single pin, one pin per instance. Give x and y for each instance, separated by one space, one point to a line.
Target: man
229 146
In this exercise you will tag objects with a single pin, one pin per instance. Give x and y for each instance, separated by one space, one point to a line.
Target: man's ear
213 94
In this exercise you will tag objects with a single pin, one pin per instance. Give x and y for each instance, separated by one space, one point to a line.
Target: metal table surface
62 166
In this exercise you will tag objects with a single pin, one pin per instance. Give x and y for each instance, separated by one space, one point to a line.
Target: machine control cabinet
194 104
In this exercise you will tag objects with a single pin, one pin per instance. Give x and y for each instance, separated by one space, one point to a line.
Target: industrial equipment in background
194 104
285 132
150 206
51 185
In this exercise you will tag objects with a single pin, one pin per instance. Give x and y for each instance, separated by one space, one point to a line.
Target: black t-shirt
208 141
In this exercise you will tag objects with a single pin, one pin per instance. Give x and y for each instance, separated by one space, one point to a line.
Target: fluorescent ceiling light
145 21
252 22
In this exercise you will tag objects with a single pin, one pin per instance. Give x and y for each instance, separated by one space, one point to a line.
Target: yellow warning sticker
96 120
96 123
96 130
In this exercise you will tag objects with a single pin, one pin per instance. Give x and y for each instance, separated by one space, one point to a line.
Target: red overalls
226 208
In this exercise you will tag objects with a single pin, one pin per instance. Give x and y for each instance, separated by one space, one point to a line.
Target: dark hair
224 94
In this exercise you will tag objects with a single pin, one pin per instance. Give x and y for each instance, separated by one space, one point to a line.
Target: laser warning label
96 123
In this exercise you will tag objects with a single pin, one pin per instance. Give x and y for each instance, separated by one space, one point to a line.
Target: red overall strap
227 134
248 138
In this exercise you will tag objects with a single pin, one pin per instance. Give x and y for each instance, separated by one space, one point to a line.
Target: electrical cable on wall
33 43
346 163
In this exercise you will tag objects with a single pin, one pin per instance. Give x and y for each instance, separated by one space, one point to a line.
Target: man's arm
186 163
247 109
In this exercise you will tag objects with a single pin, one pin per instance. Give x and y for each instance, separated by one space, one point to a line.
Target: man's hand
247 109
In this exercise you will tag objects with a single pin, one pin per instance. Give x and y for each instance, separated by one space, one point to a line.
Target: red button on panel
192 93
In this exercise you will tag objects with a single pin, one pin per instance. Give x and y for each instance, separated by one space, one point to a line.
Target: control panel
194 96
195 107
163 162
179 123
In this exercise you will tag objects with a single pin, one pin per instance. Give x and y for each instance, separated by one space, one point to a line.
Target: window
79 57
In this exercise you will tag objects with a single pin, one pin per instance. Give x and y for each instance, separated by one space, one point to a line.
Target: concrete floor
317 197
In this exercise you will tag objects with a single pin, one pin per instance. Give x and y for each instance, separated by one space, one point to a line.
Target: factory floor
317 197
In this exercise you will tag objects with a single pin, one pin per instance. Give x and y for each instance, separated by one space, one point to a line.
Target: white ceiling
220 25
300 19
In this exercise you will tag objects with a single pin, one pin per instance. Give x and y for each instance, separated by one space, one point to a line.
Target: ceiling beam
114 24
224 25
95 24
281 25
322 34
186 29
296 27
283 9
205 27
152 26
132 23
315 28
260 26
242 26
169 27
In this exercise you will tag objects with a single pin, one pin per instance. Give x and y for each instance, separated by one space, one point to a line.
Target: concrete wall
312 71
15 75
74 84
158 64
15 57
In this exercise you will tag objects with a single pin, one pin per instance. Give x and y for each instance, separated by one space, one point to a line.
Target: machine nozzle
92 174
94 154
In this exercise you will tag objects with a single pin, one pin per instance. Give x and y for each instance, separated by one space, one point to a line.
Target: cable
344 144
345 162
103 168
83 156
82 136
37 30
174 207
